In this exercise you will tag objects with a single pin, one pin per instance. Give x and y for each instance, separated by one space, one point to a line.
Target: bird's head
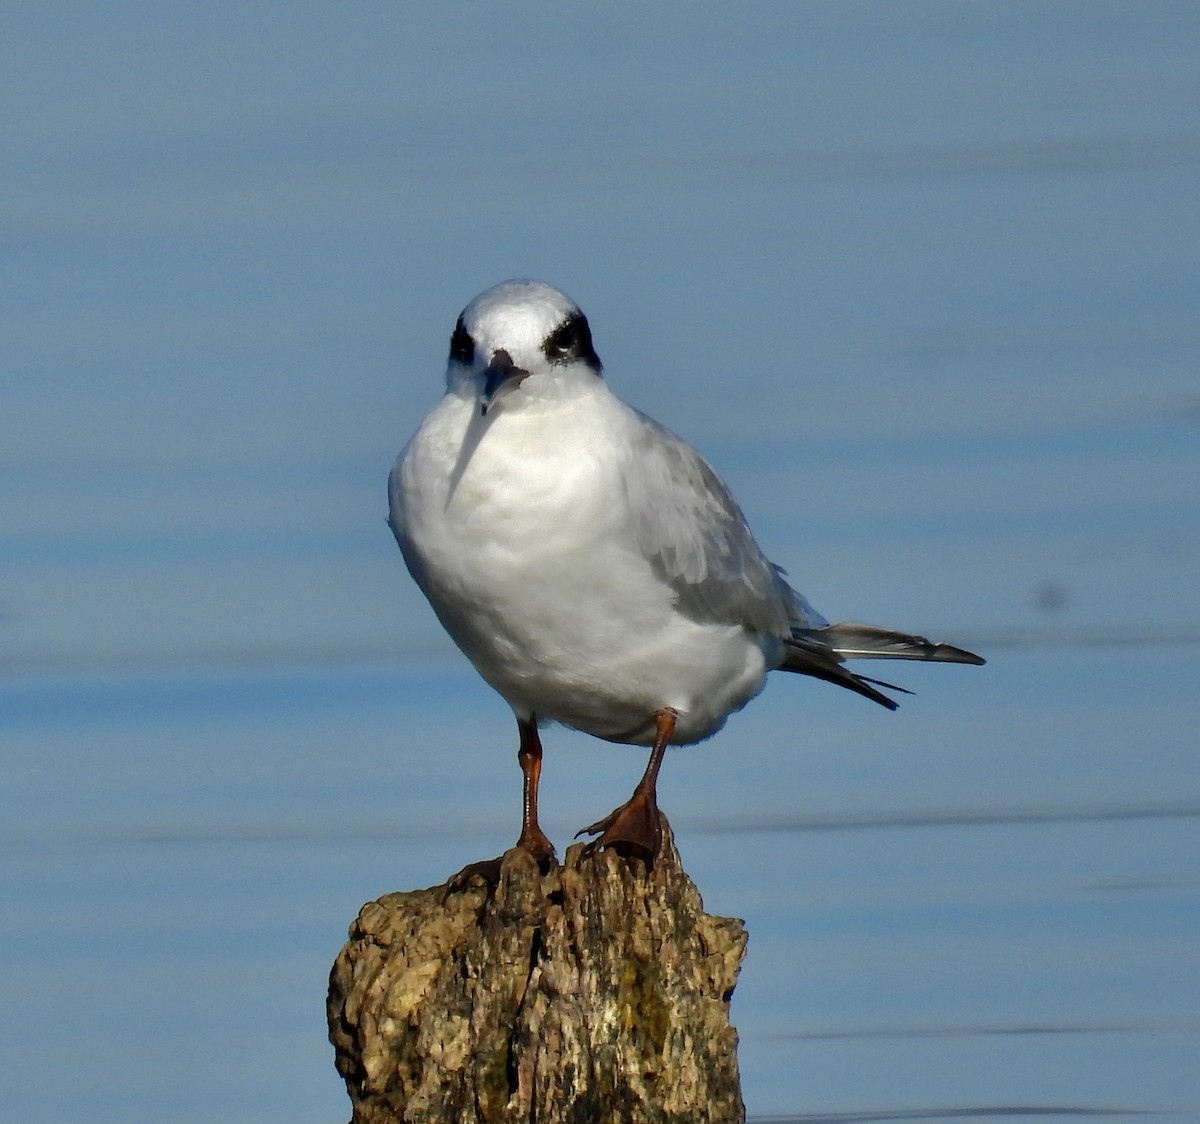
523 334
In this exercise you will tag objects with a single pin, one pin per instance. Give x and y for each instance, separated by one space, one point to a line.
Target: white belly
516 541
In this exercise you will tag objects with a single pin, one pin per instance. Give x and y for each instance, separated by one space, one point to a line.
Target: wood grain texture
596 992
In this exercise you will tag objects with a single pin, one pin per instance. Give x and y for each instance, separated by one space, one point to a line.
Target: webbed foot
632 829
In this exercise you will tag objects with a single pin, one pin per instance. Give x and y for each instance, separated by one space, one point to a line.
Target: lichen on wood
597 992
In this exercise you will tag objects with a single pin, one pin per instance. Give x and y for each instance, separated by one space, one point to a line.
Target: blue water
919 279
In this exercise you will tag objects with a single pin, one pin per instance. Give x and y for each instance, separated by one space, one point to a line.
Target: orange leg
532 838
635 825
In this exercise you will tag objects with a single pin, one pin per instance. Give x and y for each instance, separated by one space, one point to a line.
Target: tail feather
820 652
852 640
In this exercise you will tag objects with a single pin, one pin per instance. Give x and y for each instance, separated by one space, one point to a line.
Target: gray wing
687 524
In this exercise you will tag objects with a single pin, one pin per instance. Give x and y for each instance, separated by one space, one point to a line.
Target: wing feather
687 524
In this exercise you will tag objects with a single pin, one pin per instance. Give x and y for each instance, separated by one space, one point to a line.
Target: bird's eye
462 346
571 340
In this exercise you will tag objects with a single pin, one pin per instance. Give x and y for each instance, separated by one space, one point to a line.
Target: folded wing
683 519
686 523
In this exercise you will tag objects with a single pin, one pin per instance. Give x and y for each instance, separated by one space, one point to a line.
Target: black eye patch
571 340
462 346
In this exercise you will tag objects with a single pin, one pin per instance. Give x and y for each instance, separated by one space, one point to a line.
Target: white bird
590 564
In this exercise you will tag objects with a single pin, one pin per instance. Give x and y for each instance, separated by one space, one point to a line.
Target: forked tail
821 653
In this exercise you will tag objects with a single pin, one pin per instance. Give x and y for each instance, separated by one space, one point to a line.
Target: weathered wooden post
598 992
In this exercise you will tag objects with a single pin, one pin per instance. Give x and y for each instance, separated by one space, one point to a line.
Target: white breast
515 527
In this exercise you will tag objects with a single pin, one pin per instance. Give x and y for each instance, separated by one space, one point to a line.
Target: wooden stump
598 992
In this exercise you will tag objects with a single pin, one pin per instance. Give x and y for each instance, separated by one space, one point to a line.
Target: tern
592 565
